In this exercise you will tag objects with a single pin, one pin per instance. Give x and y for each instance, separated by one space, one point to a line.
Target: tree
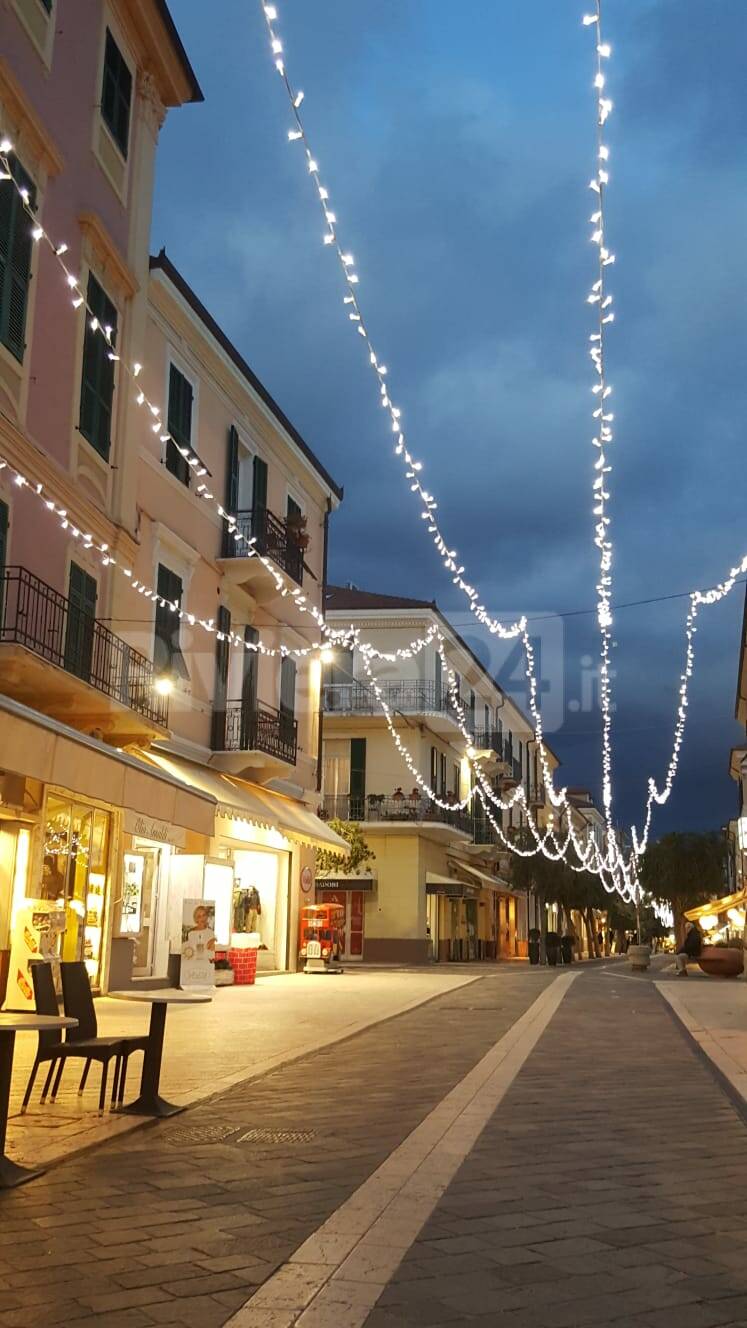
684 870
328 861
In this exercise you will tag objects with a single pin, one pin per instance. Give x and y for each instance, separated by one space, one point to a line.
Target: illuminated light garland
331 239
600 298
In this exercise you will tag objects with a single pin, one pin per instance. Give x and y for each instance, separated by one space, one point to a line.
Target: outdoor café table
150 1102
10 1024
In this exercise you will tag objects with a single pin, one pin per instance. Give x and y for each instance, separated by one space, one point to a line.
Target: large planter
720 961
639 957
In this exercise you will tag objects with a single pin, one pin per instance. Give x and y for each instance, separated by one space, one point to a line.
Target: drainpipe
320 726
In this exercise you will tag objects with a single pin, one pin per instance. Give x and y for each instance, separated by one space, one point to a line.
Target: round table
10 1024
150 1102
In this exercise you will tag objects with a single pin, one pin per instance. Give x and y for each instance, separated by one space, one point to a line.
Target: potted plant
639 955
295 524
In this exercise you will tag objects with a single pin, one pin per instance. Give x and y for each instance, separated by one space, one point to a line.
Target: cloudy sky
457 141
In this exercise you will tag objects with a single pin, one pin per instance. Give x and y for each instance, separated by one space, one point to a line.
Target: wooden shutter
97 385
439 683
434 769
181 397
249 688
288 687
357 779
232 472
81 618
167 654
220 696
259 486
15 260
116 94
442 776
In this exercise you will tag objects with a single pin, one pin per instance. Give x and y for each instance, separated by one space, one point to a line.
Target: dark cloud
457 150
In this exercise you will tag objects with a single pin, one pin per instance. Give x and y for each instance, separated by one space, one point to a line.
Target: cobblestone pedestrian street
531 1149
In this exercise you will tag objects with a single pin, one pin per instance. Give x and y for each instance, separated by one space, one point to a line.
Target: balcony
273 539
253 736
63 662
397 810
408 696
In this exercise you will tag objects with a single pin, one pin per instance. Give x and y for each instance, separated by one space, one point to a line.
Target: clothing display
247 909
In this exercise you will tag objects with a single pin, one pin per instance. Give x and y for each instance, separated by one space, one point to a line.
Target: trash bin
566 949
552 947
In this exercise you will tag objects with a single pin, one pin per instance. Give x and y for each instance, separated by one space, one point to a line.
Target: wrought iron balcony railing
38 617
489 740
271 537
410 696
243 727
377 807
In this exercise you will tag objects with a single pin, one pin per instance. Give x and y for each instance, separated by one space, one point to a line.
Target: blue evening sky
457 141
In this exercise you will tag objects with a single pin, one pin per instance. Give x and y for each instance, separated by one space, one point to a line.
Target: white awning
488 882
238 800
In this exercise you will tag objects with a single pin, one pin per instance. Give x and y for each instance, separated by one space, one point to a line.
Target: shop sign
307 880
161 832
198 944
365 883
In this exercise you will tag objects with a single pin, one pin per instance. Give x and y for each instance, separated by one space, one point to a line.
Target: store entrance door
142 874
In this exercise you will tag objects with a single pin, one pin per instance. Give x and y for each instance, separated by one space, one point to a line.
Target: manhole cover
259 1136
201 1134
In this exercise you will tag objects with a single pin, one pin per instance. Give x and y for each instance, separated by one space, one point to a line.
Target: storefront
351 892
259 864
66 800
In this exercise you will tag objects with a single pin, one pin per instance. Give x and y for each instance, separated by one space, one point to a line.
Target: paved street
529 1149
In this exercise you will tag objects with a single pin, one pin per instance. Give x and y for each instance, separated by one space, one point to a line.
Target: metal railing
489 740
410 696
245 727
377 807
271 537
38 617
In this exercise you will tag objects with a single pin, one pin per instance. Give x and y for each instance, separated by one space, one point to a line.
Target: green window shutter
167 654
259 487
439 681
97 385
288 688
293 509
222 656
442 776
434 769
181 397
249 675
116 94
81 619
357 778
232 472
15 259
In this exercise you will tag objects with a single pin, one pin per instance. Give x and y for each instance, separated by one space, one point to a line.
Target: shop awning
716 906
450 888
238 800
41 748
488 882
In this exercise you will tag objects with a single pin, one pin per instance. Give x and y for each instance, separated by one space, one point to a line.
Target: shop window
116 95
97 385
15 258
74 874
168 659
181 402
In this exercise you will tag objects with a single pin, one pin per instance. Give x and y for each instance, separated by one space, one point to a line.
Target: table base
11 1174
151 1106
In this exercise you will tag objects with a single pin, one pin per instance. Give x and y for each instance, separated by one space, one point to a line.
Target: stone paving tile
606 1189
158 1203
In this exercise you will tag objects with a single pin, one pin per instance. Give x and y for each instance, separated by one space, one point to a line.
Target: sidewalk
243 1033
714 1012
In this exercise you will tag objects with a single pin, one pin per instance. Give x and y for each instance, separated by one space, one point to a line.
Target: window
434 770
457 786
442 776
181 397
288 690
15 259
488 724
439 682
97 385
167 652
116 94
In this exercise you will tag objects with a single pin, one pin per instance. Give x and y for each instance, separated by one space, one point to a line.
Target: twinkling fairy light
601 301
331 238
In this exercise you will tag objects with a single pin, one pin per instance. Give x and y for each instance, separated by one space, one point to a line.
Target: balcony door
81 620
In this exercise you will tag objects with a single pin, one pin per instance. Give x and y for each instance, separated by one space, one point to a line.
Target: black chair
52 1049
79 1004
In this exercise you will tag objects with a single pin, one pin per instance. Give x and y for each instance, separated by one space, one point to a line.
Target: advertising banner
198 944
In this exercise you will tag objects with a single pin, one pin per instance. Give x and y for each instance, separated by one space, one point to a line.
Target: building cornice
113 266
31 137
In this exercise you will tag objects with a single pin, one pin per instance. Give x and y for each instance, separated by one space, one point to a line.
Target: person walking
691 947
